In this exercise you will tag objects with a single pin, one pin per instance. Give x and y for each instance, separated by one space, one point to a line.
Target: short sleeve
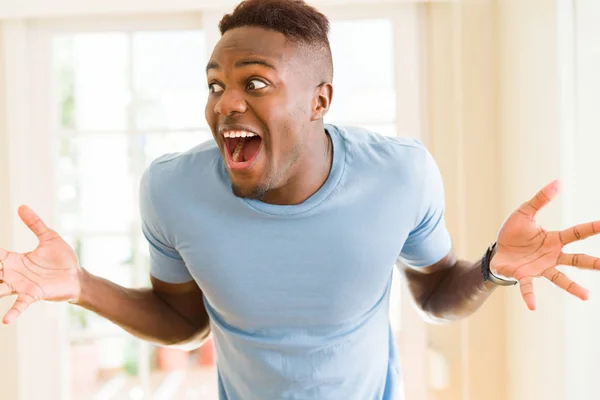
429 241
165 262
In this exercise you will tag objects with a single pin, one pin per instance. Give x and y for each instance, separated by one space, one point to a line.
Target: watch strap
487 273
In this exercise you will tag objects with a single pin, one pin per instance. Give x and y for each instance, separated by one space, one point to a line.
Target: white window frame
27 53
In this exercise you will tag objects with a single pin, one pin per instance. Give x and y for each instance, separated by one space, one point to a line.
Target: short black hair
299 22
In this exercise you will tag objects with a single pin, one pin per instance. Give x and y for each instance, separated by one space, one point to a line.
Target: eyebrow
242 63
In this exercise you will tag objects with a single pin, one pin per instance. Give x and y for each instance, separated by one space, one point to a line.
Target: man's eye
215 88
255 84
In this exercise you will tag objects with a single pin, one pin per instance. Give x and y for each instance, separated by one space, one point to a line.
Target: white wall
552 352
463 69
531 156
28 355
504 124
9 366
583 329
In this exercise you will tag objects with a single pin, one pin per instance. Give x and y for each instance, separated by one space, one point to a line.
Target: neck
308 174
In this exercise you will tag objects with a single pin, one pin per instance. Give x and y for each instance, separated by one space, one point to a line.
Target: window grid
139 268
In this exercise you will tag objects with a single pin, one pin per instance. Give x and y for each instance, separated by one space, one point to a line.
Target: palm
50 272
530 245
526 250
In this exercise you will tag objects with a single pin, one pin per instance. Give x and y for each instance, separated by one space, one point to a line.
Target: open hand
50 272
526 250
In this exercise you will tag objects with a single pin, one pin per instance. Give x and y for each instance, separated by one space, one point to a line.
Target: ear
321 101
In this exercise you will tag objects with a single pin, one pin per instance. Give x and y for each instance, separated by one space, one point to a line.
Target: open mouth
242 146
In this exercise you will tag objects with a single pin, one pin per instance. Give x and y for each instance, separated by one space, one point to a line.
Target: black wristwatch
487 273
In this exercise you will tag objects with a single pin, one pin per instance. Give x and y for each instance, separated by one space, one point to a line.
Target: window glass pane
96 189
178 374
64 85
363 55
170 83
105 369
155 145
92 84
109 368
98 168
388 129
103 356
110 257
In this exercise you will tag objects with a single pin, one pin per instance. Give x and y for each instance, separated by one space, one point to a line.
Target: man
280 237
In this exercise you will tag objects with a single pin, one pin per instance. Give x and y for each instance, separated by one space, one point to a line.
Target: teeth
240 134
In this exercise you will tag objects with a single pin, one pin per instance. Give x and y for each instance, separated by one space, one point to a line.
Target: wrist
493 264
495 267
85 282
489 270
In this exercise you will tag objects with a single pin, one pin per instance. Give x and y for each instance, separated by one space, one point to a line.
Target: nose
230 101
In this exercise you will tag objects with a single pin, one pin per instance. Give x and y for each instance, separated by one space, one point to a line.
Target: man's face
259 108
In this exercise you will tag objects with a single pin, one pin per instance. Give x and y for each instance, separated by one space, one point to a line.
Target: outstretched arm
453 289
167 314
448 290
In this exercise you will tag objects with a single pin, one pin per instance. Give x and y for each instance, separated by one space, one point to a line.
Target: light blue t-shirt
298 296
